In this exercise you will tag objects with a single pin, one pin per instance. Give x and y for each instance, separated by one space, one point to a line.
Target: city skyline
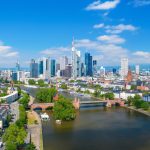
40 29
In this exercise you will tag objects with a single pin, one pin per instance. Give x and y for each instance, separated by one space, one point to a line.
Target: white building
124 67
63 62
137 69
102 71
76 62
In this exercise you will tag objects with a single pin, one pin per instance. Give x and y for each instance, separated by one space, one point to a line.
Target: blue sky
109 29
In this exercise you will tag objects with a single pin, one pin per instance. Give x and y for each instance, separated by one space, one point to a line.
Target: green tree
64 86
145 105
45 95
41 83
109 96
64 109
24 100
14 137
30 146
129 100
31 82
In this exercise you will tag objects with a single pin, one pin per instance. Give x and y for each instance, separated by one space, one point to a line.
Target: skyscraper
137 69
76 62
33 69
44 68
17 66
94 67
63 62
88 64
53 67
124 67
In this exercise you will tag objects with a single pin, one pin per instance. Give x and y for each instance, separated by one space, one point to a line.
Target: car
1 144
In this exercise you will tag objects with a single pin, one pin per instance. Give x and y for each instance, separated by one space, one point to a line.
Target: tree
129 100
41 83
145 105
14 137
30 146
64 109
46 95
109 96
24 100
31 82
64 86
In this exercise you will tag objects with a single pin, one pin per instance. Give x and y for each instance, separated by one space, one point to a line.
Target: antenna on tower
73 42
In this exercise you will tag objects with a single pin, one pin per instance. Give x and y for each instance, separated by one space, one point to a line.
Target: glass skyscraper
33 69
53 67
88 64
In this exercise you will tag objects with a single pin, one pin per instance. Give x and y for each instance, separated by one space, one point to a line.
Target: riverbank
139 110
35 129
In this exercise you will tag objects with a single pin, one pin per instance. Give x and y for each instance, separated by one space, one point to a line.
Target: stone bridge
77 104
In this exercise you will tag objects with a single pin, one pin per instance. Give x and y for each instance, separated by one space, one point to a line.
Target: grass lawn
31 118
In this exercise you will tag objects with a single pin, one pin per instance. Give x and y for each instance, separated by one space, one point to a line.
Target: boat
44 117
58 122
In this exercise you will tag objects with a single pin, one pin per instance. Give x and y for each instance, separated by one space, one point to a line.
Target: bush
145 105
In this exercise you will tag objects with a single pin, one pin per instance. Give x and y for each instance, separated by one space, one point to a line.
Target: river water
99 128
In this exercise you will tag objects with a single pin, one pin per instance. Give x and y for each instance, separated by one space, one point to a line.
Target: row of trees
15 134
108 95
39 82
138 102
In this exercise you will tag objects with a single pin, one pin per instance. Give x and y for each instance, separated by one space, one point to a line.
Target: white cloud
113 39
56 52
7 55
98 26
120 28
138 3
98 5
142 54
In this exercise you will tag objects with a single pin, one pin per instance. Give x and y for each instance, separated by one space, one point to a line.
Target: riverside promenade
35 128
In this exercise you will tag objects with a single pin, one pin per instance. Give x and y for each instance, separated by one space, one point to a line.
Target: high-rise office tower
88 64
17 66
124 67
33 69
53 67
94 67
63 62
44 68
76 62
137 69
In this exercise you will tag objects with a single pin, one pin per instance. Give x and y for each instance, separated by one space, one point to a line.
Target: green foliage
133 87
24 100
129 100
22 117
64 109
41 83
145 105
14 137
109 96
30 146
64 86
31 82
45 95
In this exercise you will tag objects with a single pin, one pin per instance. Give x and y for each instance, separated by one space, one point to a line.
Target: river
99 128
